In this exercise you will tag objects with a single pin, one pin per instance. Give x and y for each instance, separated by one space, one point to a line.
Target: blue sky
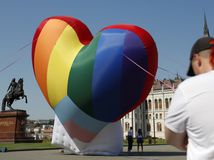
174 25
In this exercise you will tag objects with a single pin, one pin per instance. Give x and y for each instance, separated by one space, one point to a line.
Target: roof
167 83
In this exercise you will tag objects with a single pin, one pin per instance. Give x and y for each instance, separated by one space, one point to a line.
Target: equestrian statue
15 91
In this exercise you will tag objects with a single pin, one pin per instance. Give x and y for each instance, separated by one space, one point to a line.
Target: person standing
139 140
130 139
188 125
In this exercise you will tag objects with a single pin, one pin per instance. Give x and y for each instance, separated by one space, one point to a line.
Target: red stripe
35 38
80 28
75 131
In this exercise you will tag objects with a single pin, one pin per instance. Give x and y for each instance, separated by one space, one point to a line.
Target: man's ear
198 59
199 62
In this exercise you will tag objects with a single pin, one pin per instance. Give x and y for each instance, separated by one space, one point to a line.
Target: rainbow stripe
88 81
55 45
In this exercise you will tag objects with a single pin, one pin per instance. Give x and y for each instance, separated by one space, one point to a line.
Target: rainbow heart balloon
91 81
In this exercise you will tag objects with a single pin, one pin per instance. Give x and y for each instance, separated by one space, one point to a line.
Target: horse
16 94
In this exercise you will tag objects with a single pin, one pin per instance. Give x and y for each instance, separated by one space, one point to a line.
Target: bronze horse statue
16 92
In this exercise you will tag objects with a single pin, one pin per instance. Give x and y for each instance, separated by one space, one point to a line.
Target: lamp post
154 127
143 119
153 112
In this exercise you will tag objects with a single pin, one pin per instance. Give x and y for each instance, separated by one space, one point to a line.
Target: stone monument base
12 126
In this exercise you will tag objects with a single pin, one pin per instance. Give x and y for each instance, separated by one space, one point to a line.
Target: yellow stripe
62 57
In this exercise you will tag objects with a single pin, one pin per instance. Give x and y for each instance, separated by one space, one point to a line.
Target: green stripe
80 78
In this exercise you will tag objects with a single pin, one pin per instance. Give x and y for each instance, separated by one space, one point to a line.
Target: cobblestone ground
153 152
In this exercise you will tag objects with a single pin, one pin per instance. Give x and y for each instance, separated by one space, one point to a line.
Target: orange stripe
45 43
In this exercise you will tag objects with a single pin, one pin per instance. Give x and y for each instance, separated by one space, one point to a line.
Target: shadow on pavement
153 154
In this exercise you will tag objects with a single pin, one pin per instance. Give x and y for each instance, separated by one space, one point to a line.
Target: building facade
150 115
40 129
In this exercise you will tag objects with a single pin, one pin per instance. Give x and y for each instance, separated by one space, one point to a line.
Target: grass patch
28 146
48 145
148 141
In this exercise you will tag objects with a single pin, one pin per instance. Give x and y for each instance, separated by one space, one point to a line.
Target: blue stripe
117 84
66 110
107 74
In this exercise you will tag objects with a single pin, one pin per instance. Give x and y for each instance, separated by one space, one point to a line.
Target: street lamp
154 127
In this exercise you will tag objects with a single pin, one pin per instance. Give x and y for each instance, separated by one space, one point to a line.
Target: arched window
126 126
146 105
167 103
160 104
150 104
160 116
156 104
170 99
150 116
159 127
148 126
156 116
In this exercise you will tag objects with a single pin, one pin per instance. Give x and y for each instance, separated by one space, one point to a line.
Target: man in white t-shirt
189 123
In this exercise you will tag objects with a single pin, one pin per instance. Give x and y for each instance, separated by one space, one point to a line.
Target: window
167 103
150 104
150 116
160 116
148 126
160 104
159 127
126 126
146 105
156 104
156 116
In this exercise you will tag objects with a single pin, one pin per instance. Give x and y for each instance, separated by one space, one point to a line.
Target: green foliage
147 141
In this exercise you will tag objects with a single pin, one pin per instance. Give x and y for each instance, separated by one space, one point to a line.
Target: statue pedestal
12 126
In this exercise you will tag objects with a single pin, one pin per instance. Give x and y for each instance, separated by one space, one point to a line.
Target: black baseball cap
201 44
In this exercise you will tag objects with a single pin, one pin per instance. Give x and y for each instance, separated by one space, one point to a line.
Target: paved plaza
153 152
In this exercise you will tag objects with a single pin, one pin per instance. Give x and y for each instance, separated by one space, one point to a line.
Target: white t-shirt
192 110
130 133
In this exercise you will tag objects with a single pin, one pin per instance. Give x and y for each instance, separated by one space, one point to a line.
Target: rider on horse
15 92
12 87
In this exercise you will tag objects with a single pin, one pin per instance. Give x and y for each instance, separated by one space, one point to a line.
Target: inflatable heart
88 81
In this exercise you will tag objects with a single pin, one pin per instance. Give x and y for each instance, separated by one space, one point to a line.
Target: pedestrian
189 124
130 139
139 140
